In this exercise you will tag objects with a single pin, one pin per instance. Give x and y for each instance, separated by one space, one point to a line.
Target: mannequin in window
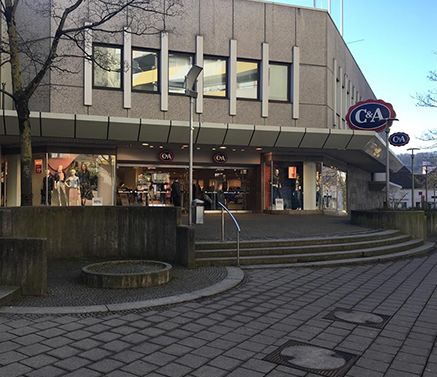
85 184
60 186
276 185
298 193
73 184
48 183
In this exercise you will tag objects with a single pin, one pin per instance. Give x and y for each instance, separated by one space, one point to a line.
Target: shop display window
333 187
66 179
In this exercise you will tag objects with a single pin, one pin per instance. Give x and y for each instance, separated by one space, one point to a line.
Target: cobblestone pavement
231 333
65 288
264 226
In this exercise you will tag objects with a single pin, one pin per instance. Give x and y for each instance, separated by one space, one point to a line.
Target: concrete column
265 81
88 69
309 186
127 71
295 82
199 85
232 77
163 73
14 181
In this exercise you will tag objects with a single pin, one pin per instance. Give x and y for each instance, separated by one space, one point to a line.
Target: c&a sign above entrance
370 115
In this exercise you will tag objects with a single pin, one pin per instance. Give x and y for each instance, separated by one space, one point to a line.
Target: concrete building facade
270 128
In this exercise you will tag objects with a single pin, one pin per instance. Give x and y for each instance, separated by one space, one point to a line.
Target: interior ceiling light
151 146
145 144
213 149
160 147
222 147
259 149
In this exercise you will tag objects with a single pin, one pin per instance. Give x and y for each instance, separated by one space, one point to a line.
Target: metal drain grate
358 317
314 359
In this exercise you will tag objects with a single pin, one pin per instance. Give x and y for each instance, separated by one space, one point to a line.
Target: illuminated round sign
166 156
399 139
370 115
219 158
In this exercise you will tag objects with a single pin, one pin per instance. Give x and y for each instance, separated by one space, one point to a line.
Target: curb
234 277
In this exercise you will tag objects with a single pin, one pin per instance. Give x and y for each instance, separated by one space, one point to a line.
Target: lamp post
191 92
412 174
387 159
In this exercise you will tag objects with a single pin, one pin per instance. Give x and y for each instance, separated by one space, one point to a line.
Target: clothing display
60 187
48 184
73 184
85 185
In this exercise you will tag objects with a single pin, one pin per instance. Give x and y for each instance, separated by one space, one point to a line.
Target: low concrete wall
23 262
186 248
408 222
431 223
98 232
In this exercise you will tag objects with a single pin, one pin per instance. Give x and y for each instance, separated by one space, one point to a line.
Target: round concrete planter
126 274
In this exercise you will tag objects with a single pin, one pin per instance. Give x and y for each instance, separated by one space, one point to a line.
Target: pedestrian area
370 320
256 226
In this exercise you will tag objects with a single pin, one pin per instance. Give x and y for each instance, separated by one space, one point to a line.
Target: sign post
377 116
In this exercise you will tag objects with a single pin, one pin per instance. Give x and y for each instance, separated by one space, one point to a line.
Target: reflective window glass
247 79
278 82
107 67
214 77
178 67
145 70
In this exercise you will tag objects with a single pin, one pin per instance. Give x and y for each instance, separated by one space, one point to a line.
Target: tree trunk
23 112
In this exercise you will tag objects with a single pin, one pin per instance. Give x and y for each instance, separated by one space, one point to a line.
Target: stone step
312 257
317 248
424 249
7 293
334 239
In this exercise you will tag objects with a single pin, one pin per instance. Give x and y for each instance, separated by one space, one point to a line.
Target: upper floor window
214 77
278 82
247 79
145 70
107 66
178 67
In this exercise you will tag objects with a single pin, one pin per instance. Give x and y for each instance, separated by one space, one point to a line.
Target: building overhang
363 149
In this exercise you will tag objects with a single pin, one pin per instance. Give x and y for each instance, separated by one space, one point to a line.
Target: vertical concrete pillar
13 181
127 72
309 186
265 81
295 82
88 68
232 77
199 85
163 72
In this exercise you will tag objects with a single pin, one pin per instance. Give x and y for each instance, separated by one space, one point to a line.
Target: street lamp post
387 159
412 174
191 92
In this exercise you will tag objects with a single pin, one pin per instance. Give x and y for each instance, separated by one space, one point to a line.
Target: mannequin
85 184
60 186
276 185
298 193
73 184
48 183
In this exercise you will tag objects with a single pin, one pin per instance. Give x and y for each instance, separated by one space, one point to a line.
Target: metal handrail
237 226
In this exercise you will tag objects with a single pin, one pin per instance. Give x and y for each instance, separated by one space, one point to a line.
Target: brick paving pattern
230 334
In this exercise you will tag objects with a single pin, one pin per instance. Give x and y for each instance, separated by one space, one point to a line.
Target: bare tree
428 99
32 56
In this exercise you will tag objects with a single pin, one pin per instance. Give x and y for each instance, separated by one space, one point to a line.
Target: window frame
158 56
192 55
226 59
289 66
109 45
258 91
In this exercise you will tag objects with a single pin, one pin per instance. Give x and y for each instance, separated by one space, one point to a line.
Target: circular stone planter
126 274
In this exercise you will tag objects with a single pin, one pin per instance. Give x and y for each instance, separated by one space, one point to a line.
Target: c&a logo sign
370 115
399 139
219 158
166 156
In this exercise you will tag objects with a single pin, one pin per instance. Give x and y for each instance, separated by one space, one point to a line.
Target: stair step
300 249
7 293
345 238
417 251
312 257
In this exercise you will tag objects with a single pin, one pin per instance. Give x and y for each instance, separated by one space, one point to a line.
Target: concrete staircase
371 246
7 293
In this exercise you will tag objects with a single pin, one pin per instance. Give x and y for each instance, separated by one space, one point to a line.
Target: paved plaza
231 334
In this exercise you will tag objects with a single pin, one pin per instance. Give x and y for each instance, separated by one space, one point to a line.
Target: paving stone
106 365
192 361
14 369
140 368
209 371
47 371
39 361
10 357
72 363
95 354
84 372
174 370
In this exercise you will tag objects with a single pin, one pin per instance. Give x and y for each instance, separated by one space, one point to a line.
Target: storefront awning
91 127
